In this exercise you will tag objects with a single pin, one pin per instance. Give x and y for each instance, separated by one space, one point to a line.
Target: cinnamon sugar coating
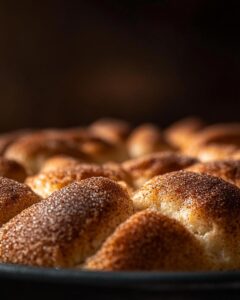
149 241
59 162
144 168
70 225
218 134
46 183
14 197
180 133
112 130
12 169
6 139
229 170
207 206
33 150
106 197
216 152
146 139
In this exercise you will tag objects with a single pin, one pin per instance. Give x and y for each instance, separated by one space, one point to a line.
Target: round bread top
217 152
6 139
63 229
14 197
46 183
228 170
146 139
222 134
99 150
33 150
12 169
188 196
150 165
149 241
59 162
112 130
180 133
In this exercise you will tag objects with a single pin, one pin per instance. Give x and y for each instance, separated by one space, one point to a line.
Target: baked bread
218 134
112 130
229 170
216 152
145 167
6 139
44 184
146 139
100 151
33 150
207 206
12 169
105 197
59 162
150 241
70 225
14 197
181 133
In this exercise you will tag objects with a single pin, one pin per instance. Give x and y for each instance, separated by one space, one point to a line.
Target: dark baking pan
20 282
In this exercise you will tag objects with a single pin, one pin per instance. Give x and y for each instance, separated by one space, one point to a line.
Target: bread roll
207 206
101 151
144 168
12 169
112 130
44 184
146 139
6 139
180 133
150 241
59 162
70 225
217 152
229 170
218 134
14 197
33 150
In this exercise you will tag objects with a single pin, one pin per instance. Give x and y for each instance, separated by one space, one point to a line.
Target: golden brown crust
208 206
229 170
146 139
12 169
150 241
32 150
180 133
14 197
6 139
59 162
86 177
144 168
96 148
64 229
101 151
218 134
112 130
45 184
210 196
216 152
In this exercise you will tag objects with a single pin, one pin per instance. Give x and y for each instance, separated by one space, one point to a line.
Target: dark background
65 63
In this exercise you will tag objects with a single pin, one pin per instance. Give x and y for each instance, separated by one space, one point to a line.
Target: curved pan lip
212 279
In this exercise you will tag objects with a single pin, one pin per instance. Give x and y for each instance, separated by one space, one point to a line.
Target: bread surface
108 196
